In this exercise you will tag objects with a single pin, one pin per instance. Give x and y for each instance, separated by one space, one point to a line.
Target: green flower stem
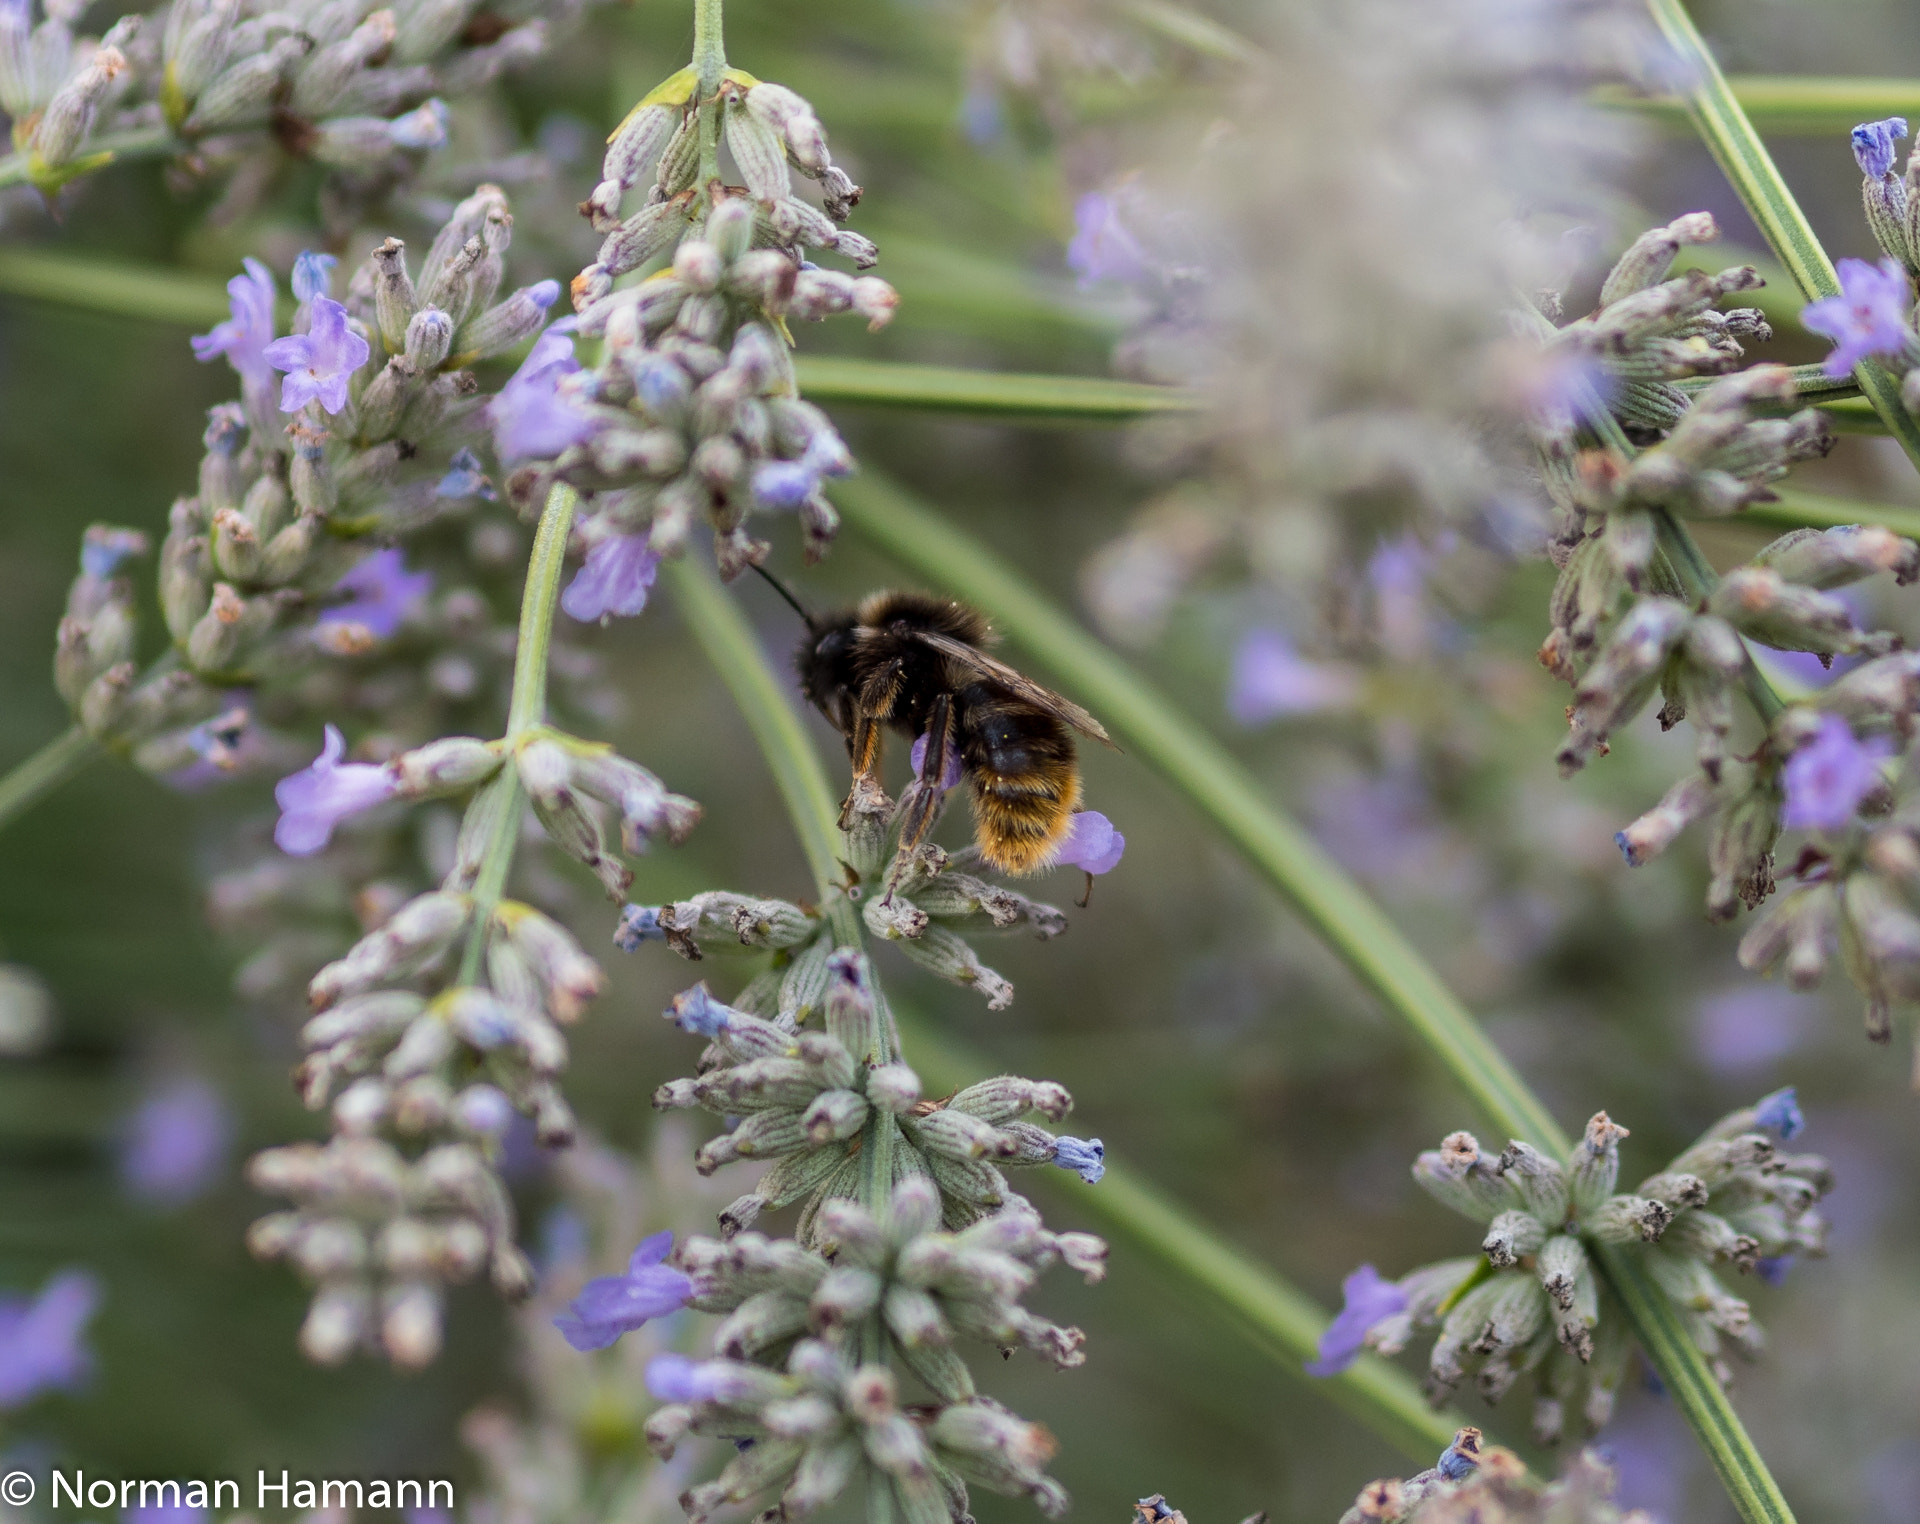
710 64
1786 103
1793 509
138 143
32 779
1338 910
526 711
1854 415
1729 134
1287 1322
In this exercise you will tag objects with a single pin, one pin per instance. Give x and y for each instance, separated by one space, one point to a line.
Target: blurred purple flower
464 478
314 801
1780 1112
787 484
982 118
224 747
618 1304
1868 318
422 129
953 771
103 550
1828 776
176 1142
1773 1269
320 361
675 1378
244 337
1653 1455
1086 1157
1455 1464
1873 145
381 594
1750 1025
616 579
1092 844
40 1348
532 418
313 275
1103 247
1369 1299
1271 679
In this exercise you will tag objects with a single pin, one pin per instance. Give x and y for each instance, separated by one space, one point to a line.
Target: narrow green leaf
948 389
1339 911
1751 171
33 778
1787 103
111 286
1794 509
1287 1321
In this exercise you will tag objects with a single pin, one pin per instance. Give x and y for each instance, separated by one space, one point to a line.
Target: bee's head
823 662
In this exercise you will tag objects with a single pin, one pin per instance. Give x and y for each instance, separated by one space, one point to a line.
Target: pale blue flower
177 1141
381 593
1828 776
1369 1300
675 1378
314 801
319 362
618 1304
638 924
696 1011
1270 679
1873 145
616 579
244 337
532 418
1092 843
1868 318
1103 248
1086 1157
40 1348
1780 1112
313 275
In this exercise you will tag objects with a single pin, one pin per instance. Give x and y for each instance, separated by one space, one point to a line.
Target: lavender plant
1482 1482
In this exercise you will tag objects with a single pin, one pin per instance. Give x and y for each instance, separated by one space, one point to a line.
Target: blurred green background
1206 1038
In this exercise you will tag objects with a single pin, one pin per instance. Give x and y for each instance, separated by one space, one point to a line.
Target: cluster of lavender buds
907 1236
691 414
282 565
1626 452
234 89
436 1028
1477 1483
1532 1302
1874 317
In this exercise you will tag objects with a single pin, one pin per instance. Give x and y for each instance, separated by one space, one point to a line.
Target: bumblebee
914 664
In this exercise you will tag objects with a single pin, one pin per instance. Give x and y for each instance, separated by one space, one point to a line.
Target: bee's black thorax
865 657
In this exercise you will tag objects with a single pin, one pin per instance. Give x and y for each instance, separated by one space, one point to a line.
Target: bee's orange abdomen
1021 819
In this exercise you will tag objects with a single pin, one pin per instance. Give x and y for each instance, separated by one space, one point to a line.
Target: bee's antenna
781 588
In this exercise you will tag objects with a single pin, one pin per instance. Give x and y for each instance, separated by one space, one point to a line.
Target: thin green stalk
1786 103
1339 911
138 143
43 772
1721 121
526 712
1287 1322
1794 509
710 64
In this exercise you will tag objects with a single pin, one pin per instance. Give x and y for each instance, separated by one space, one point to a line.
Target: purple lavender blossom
1455 1464
638 924
950 775
244 337
40 1349
314 801
484 1109
696 1011
382 592
1873 145
1750 1026
532 418
1270 678
786 484
464 478
1868 318
1369 1300
616 579
176 1142
1828 776
1092 844
1086 1157
313 275
320 361
618 1304
103 551
1773 1269
1780 1112
1103 247
675 1378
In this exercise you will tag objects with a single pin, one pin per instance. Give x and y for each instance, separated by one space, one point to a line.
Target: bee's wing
976 660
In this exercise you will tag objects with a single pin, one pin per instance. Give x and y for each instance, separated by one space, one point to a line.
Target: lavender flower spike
320 361
1086 1157
313 802
1092 843
618 1304
617 578
1828 777
40 1349
1869 318
1873 145
1370 1300
177 1141
244 337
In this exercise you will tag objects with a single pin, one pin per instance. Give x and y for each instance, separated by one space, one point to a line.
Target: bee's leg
921 802
863 750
